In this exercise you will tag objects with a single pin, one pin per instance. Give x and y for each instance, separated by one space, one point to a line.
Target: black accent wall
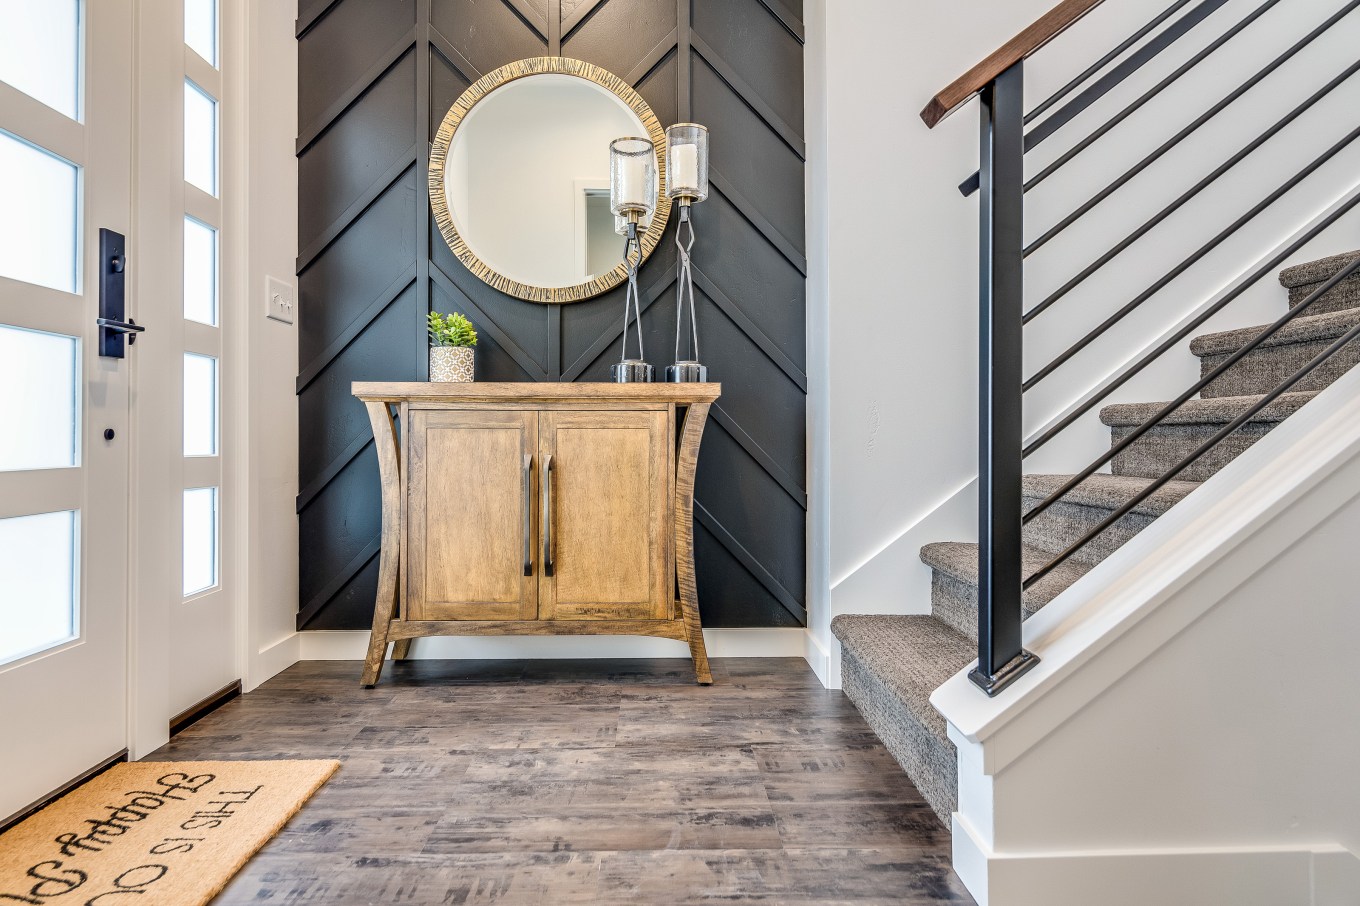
375 79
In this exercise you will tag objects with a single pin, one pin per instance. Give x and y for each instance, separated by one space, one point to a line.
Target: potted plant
451 340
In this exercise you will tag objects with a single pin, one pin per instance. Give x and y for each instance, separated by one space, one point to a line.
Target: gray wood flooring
559 782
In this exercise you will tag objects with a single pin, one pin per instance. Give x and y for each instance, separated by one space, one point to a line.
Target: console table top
535 391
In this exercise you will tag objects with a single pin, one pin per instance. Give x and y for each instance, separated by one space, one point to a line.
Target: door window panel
200 405
200 540
38 583
200 138
200 28
39 408
200 272
40 51
38 197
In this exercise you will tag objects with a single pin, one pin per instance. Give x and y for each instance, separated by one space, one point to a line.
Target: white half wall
1190 726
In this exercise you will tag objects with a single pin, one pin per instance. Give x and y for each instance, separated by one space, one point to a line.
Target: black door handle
129 327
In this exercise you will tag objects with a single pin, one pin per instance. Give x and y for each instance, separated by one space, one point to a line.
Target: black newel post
1001 659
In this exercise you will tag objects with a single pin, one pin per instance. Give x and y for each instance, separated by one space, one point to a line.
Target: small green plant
452 329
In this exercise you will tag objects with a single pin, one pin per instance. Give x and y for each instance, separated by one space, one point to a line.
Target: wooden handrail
1044 29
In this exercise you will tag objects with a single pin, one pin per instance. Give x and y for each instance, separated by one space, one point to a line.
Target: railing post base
1012 671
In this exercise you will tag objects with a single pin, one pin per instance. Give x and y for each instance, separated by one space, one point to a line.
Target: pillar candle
685 166
632 181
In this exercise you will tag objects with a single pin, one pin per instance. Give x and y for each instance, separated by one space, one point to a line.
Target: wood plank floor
559 782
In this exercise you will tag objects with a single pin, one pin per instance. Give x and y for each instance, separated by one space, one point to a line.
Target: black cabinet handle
547 515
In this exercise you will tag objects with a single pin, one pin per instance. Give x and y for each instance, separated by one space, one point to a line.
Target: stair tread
911 655
1217 411
959 559
1315 271
1109 492
1303 329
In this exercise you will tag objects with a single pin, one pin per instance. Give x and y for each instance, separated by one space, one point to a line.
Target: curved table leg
385 440
686 460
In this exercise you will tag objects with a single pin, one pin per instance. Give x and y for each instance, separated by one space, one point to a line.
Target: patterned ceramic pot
451 363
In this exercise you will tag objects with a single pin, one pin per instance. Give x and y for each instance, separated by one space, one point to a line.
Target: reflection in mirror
527 179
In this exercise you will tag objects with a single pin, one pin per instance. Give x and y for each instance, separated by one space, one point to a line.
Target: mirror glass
526 180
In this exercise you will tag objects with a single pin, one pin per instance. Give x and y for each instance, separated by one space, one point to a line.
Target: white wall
893 251
265 214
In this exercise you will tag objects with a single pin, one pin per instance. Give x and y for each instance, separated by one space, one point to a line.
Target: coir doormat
153 833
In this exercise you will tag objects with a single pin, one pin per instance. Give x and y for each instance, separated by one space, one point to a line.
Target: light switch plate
279 300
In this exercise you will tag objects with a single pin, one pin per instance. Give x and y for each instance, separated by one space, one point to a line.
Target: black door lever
129 327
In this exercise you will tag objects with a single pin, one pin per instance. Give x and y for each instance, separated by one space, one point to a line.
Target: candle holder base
687 372
631 371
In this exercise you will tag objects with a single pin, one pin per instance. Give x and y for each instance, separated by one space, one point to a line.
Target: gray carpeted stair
1188 427
891 664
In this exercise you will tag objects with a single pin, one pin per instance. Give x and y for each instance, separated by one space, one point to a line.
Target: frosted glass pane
200 272
40 50
200 138
200 539
40 374
200 405
200 28
38 584
37 215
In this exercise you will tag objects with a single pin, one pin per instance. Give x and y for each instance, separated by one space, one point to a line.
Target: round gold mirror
519 178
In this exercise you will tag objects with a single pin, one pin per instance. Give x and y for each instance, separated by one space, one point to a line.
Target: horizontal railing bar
1104 61
1199 451
1194 324
1204 118
1149 95
1110 80
1294 312
1190 193
1145 54
1189 262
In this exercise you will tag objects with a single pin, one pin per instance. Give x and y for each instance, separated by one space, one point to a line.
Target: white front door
66 116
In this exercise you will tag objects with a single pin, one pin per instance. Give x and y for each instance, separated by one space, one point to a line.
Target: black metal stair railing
1002 315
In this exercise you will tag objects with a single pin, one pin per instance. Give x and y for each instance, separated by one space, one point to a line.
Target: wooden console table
536 509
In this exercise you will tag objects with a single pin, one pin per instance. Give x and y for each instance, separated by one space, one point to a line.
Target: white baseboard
818 658
1320 875
352 645
271 660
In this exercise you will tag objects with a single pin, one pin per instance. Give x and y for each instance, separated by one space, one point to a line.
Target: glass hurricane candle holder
687 162
632 178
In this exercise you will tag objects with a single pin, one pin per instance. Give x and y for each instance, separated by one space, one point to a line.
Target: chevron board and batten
375 77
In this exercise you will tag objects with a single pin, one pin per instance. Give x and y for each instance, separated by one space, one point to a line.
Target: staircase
892 664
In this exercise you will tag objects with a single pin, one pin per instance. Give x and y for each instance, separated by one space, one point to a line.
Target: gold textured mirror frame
444 139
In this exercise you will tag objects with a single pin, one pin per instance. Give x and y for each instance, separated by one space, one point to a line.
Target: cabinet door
471 519
607 510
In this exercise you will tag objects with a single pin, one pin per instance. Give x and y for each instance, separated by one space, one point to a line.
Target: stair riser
1345 294
1262 369
954 603
1063 524
931 763
1153 454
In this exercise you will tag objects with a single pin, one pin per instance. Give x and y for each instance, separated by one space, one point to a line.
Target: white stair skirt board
351 645
1233 543
1325 876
